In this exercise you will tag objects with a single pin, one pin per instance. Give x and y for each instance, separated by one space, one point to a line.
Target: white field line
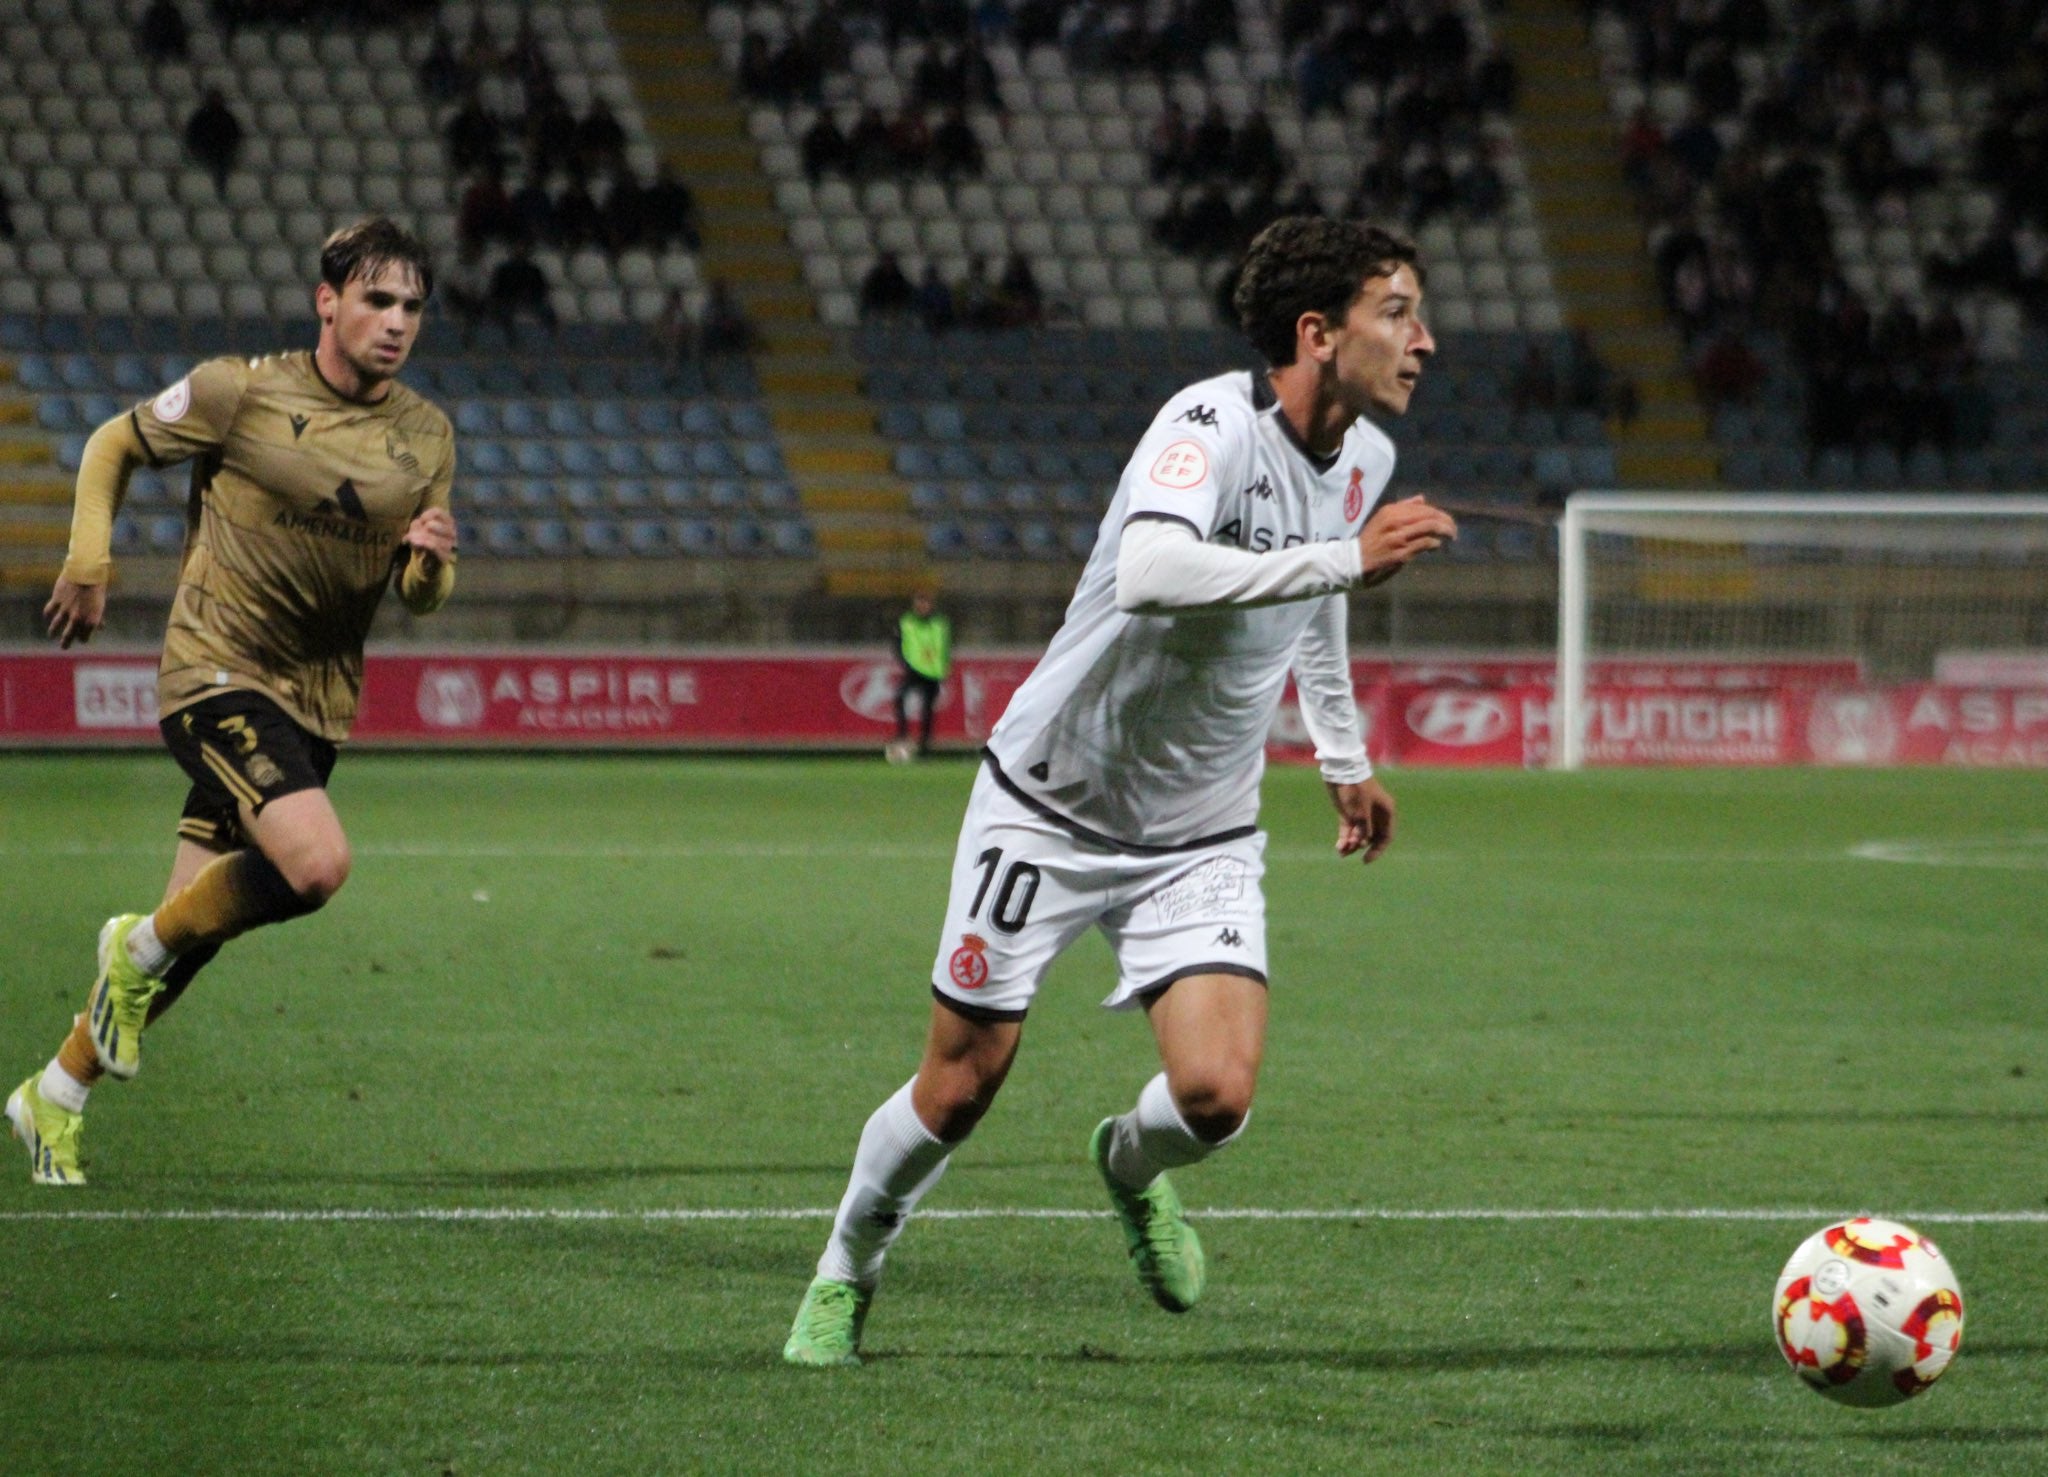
427 1215
868 851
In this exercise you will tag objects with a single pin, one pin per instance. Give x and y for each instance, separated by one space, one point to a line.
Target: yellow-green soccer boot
827 1329
119 1007
1164 1248
51 1133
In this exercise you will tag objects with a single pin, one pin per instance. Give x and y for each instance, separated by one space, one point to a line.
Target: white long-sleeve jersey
1222 561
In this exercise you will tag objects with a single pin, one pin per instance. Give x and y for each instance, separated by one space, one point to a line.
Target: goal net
1828 629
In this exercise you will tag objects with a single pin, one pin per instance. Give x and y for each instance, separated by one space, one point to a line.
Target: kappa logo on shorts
1230 938
969 965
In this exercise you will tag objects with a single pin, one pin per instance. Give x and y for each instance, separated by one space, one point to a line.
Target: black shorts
240 749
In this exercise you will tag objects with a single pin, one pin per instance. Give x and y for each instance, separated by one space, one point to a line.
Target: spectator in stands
518 287
532 213
161 34
677 330
1321 78
481 54
1020 303
1208 150
1201 224
670 211
551 138
910 141
600 140
975 299
442 76
934 84
466 285
1728 370
1303 201
1642 142
825 148
726 329
1696 145
956 153
934 300
526 60
885 292
213 136
992 20
1588 383
1255 153
485 213
1431 190
826 35
624 212
473 139
578 221
7 228
1495 82
757 67
1167 146
868 145
1534 386
1481 192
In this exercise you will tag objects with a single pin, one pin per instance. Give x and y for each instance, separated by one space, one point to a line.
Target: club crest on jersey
172 404
400 450
1354 495
1181 466
968 967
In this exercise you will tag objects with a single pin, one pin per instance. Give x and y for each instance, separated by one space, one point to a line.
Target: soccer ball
1868 1312
898 751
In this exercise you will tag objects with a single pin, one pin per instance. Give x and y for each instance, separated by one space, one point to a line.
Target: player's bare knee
317 877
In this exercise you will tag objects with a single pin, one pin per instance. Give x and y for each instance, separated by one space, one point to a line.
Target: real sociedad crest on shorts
1354 495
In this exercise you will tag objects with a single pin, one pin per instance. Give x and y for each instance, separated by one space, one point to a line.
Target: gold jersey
299 499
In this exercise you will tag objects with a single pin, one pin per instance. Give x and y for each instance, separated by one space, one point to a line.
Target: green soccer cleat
50 1132
1164 1247
119 1007
827 1330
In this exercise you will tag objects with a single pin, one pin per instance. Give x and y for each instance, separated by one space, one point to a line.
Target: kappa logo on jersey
172 404
1200 415
1181 466
1459 720
1354 495
1261 489
299 424
968 967
1230 938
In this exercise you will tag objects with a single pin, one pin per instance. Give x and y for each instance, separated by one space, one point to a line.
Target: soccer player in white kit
1121 787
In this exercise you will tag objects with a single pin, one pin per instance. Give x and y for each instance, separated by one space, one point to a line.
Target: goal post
1886 587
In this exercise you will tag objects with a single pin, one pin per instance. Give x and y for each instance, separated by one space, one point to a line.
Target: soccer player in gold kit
318 480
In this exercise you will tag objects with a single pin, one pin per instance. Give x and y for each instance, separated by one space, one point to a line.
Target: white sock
147 950
60 1087
1153 1138
897 1162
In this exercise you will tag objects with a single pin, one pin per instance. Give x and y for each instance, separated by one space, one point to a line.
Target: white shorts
1024 888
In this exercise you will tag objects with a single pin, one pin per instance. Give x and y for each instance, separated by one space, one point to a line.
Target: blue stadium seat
1080 539
1040 540
632 495
581 458
714 459
669 458
625 458
776 495
1008 462
481 493
900 423
944 422
550 538
57 413
957 462
791 538
701 418
945 539
536 458
992 538
486 458
696 537
38 374
647 537
166 534
751 420
761 459
584 495
726 494
132 375
1595 466
927 499
678 493
567 418
521 418
610 418
477 418
129 537
601 538
657 418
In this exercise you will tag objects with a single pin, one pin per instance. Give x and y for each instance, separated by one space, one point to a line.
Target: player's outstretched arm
78 602
1365 818
1396 533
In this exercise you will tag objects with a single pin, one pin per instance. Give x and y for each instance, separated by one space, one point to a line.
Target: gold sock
78 1058
229 897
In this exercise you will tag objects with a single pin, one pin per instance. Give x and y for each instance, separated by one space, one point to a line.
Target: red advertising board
1461 713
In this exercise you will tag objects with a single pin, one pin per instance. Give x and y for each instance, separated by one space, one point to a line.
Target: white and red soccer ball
1868 1312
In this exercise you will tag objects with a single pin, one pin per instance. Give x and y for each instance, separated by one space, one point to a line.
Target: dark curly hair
1310 264
368 246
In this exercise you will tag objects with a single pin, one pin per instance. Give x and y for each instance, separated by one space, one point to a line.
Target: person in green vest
924 644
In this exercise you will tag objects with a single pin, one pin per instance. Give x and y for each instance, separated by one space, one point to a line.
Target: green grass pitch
603 990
